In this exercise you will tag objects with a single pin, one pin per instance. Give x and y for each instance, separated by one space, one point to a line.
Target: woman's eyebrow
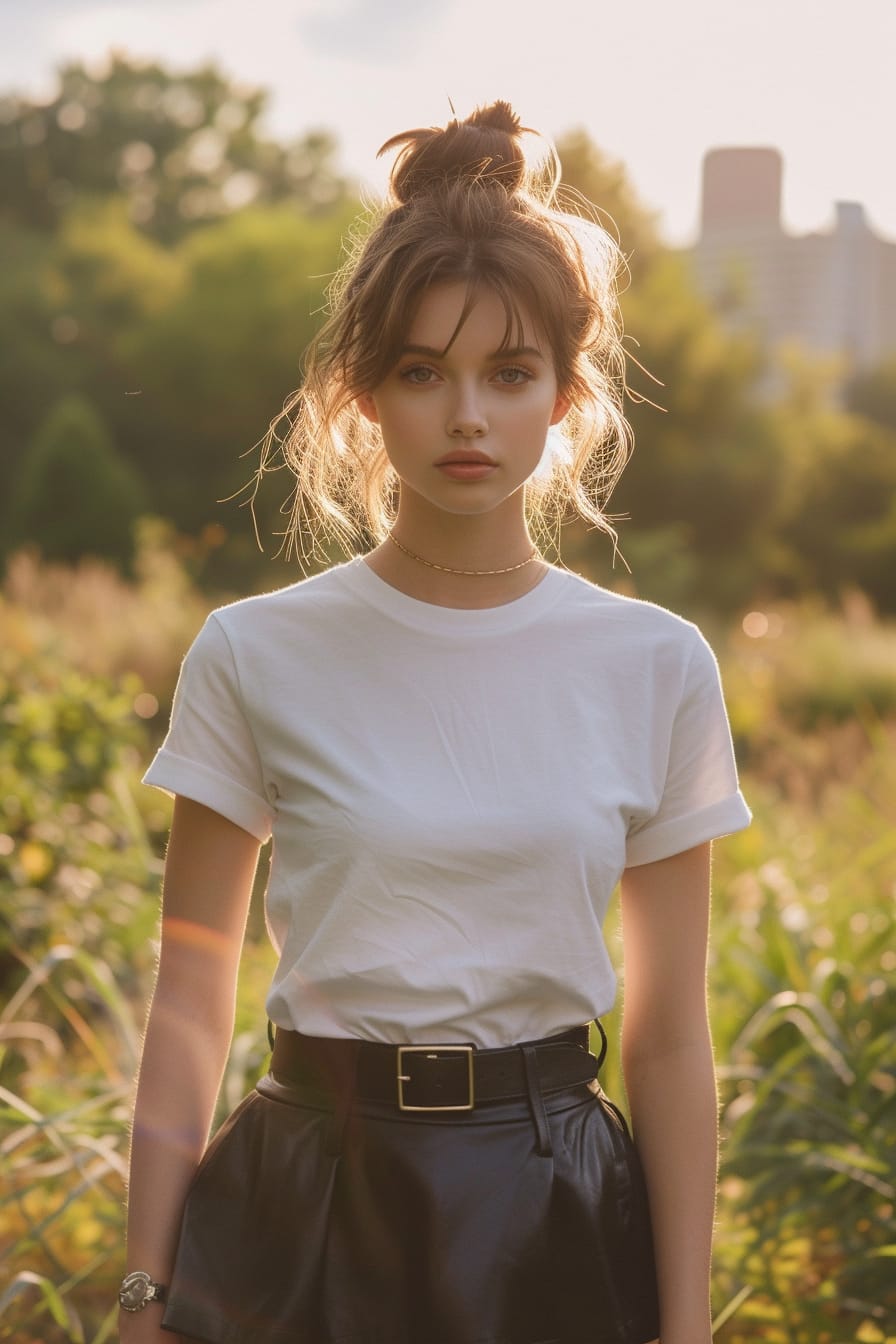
506 352
516 351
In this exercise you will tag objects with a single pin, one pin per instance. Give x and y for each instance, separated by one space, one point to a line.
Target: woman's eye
513 377
417 373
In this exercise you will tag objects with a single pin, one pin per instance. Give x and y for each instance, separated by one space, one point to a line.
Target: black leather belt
433 1077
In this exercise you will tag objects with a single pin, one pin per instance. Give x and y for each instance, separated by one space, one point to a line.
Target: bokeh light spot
755 624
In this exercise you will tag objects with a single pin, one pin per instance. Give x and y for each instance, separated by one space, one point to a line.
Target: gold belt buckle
433 1052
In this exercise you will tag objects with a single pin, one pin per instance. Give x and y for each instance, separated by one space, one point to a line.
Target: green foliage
833 516
808 669
65 304
101 186
75 956
846 522
107 272
227 348
872 395
185 355
805 1027
33 367
72 458
91 620
182 149
78 852
705 463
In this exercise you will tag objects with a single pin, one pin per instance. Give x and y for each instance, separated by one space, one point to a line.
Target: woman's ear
367 406
561 406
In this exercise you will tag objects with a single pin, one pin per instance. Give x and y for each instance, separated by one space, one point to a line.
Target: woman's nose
467 419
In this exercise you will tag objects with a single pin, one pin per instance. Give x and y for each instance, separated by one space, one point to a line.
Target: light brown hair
463 205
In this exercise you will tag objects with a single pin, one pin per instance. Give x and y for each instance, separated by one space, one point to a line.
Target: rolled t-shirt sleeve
209 753
700 797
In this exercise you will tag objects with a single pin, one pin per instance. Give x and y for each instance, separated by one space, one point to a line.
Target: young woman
459 750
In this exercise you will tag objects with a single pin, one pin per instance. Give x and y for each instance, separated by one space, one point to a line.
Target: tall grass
88 618
805 1025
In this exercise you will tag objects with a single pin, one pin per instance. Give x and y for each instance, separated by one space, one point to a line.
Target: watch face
135 1290
133 1295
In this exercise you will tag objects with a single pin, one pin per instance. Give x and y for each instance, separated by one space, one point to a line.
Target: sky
655 82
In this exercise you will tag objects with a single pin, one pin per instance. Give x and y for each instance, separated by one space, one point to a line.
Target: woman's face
465 429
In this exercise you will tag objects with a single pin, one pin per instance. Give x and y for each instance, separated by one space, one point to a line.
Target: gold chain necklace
472 573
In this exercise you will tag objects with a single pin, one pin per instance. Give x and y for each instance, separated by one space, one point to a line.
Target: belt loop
536 1102
603 1043
344 1099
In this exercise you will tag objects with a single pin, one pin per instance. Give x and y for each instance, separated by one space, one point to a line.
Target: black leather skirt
321 1216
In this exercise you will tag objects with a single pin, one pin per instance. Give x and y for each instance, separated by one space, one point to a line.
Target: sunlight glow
197 937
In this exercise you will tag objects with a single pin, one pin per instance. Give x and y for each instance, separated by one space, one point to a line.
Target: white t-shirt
453 794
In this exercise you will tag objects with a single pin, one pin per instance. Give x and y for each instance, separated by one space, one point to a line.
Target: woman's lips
466 471
466 464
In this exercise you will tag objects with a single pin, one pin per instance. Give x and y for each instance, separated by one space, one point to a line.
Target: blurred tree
182 149
33 365
75 495
699 487
67 307
185 353
89 307
604 183
218 362
706 464
873 394
835 513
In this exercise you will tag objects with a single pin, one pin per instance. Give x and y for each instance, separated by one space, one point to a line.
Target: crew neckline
429 616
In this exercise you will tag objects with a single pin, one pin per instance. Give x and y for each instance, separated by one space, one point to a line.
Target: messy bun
465 205
484 149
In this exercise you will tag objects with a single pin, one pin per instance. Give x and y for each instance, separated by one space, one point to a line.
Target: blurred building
833 292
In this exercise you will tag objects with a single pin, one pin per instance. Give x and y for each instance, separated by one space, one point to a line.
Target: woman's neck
458 561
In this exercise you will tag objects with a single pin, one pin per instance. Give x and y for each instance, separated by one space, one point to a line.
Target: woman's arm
209 871
669 1076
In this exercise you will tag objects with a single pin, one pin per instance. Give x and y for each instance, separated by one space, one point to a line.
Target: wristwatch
138 1290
